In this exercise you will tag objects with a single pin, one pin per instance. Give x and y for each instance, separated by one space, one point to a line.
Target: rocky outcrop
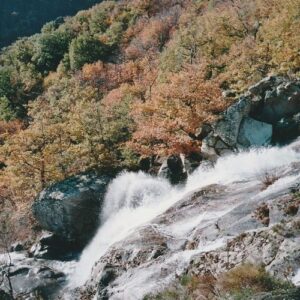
30 278
286 129
70 209
173 168
4 295
209 231
266 114
254 133
225 219
278 251
17 246
275 98
52 246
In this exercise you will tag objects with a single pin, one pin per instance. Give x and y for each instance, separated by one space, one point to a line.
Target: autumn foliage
132 78
168 120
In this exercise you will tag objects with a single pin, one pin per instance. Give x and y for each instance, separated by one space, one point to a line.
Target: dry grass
262 214
240 283
245 277
251 278
268 179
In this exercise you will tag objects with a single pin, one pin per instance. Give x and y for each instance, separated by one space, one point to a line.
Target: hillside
123 126
20 18
130 79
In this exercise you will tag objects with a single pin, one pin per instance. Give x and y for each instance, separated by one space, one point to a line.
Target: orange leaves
8 128
150 35
108 76
177 108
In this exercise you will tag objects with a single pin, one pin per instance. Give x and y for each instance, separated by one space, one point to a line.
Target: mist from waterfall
133 199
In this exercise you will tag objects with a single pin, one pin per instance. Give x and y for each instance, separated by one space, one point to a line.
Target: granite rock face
30 278
266 114
71 208
209 231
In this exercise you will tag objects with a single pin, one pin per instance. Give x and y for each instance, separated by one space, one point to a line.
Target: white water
134 199
296 278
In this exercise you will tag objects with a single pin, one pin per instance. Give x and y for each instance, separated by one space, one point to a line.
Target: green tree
6 88
50 50
6 111
86 49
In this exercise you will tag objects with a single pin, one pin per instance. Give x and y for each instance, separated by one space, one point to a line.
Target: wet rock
31 278
286 129
203 131
213 147
17 246
4 295
109 274
145 164
173 168
254 133
51 246
59 207
151 164
193 161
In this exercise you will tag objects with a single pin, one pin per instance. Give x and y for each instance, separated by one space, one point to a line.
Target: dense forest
23 18
131 79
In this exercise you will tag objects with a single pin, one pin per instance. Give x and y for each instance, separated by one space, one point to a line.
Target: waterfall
134 199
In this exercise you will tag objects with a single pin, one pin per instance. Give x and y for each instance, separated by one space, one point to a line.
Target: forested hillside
131 79
23 18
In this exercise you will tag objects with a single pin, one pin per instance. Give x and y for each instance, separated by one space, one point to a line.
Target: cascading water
134 199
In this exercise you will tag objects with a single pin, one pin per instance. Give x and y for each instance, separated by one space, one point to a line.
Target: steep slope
210 230
153 234
133 79
237 214
162 86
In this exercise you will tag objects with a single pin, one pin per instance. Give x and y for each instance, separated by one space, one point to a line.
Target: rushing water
134 199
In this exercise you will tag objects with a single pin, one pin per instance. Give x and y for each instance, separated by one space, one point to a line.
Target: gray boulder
17 247
254 133
4 295
71 208
31 278
51 246
267 113
228 127
279 97
286 129
173 168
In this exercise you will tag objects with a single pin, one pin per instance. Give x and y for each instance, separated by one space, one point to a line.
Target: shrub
50 49
249 279
268 179
86 49
241 283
